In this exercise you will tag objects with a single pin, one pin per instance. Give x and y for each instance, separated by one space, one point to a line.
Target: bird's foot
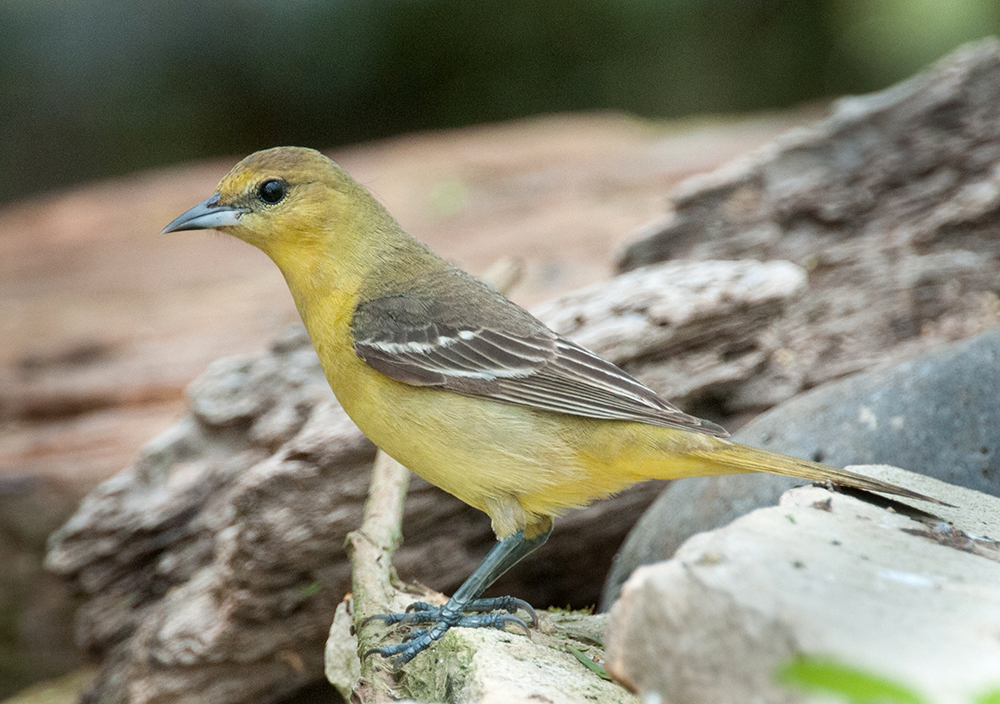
477 613
422 612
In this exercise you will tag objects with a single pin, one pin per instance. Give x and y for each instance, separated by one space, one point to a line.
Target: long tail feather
743 458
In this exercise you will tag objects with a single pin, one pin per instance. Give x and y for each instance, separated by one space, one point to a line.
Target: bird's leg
504 555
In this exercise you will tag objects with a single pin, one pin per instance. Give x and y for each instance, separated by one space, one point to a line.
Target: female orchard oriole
457 383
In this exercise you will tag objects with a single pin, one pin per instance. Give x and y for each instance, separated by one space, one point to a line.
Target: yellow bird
457 383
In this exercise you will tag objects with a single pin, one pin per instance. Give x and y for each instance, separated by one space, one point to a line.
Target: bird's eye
272 191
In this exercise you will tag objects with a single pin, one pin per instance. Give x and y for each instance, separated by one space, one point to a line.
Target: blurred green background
90 89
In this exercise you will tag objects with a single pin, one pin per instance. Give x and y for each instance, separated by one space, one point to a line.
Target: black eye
272 191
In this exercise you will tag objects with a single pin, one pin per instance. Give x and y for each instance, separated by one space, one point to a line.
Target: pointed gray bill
207 215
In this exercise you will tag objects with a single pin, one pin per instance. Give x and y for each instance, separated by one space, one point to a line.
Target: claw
387 619
482 616
503 603
525 606
507 619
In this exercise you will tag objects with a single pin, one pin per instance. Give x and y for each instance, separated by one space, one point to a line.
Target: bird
459 384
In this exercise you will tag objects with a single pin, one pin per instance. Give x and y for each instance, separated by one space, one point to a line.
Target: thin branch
371 549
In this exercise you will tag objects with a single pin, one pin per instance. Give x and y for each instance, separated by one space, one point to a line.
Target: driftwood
374 580
891 204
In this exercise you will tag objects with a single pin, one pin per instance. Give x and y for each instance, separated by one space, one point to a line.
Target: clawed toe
415 633
477 613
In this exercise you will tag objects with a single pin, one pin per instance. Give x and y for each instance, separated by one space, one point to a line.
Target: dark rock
935 415
892 209
686 507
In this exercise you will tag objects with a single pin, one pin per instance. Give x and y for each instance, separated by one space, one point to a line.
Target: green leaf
588 663
854 685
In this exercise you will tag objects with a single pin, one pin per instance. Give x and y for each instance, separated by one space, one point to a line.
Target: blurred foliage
845 683
107 86
837 682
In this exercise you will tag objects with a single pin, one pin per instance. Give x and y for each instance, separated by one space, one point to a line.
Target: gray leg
504 555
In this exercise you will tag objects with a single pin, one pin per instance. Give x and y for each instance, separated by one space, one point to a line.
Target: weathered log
891 204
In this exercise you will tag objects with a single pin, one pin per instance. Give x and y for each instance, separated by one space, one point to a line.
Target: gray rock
824 580
688 329
687 507
489 667
935 415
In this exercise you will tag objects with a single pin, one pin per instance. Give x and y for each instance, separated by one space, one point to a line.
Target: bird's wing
473 341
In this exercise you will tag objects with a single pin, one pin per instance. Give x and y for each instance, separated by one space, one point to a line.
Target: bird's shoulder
445 324
444 295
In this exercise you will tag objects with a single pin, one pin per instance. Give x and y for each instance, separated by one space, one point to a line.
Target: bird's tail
736 458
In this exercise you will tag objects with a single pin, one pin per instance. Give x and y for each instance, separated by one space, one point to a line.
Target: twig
371 549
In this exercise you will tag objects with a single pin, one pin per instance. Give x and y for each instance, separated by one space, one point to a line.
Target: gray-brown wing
485 346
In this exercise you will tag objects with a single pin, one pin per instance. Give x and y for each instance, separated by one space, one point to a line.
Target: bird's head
281 200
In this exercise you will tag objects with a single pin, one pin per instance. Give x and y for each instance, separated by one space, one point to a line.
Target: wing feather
507 356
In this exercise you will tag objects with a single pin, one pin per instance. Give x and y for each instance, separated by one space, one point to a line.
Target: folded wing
485 346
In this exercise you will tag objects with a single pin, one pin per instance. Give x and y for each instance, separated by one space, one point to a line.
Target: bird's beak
207 215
